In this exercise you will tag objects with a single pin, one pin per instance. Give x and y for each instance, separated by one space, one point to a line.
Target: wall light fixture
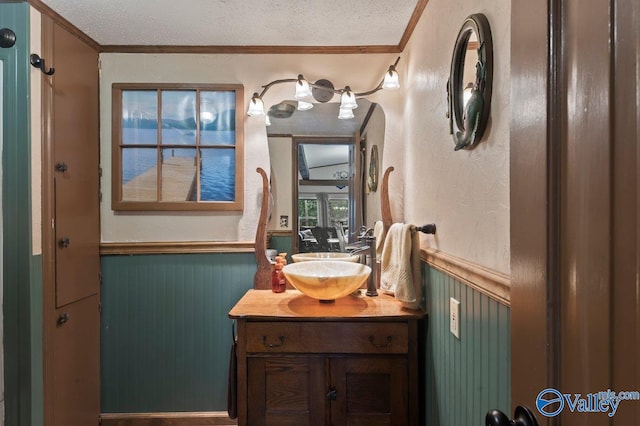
323 91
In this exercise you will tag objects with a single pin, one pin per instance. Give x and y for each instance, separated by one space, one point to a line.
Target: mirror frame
467 123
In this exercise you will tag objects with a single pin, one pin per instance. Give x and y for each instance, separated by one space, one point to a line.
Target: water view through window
178 145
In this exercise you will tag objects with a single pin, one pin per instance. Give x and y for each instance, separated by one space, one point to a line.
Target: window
338 210
177 147
307 212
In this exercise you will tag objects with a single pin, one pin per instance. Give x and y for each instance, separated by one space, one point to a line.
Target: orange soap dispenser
278 283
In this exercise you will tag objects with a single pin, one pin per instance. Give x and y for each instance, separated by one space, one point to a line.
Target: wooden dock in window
178 182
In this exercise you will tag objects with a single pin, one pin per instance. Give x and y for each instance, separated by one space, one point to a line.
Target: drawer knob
332 395
272 345
61 167
62 319
386 344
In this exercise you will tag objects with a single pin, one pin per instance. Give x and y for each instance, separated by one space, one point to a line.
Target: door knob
62 319
521 417
332 395
61 167
64 242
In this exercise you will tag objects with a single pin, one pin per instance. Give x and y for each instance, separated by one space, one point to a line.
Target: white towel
378 232
400 265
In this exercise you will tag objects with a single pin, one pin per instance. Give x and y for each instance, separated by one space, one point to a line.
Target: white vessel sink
326 280
304 257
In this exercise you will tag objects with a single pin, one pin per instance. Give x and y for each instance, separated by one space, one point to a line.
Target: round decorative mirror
470 81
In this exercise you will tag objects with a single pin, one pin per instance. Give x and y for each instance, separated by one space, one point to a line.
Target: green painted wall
22 272
282 244
467 377
165 331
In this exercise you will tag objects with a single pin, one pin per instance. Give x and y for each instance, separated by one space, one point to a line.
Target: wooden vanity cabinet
301 362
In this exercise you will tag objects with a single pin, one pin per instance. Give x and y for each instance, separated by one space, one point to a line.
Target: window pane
139 117
178 117
339 211
178 175
218 118
139 174
307 212
217 174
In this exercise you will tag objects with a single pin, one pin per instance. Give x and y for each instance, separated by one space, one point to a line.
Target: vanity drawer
327 337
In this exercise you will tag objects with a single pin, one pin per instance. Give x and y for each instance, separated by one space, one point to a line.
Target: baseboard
209 418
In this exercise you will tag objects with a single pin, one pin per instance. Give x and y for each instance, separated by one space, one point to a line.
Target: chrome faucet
366 247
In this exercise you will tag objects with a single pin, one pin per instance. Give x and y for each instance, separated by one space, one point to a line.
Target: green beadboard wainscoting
281 243
166 335
468 376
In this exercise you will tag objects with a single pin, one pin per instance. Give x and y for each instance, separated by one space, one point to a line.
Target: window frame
118 204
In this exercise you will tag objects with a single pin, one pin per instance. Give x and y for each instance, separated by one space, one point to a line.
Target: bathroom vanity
302 362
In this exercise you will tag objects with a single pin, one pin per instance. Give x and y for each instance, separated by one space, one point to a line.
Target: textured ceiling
239 22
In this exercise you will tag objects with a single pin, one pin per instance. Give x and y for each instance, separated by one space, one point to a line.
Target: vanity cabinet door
370 391
286 390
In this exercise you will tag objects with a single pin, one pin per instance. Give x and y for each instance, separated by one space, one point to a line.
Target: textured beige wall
466 193
361 72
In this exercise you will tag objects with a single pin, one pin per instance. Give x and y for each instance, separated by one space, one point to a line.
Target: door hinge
99 197
99 307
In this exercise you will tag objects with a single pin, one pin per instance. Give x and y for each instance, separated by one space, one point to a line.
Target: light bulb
302 88
348 99
256 106
303 106
391 79
345 113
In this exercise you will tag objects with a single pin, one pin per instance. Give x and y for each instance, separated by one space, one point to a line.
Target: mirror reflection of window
470 61
338 209
307 211
466 94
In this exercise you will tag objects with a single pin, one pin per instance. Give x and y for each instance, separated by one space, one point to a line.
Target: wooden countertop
293 305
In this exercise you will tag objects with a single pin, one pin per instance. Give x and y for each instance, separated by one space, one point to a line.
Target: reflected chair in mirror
307 242
327 238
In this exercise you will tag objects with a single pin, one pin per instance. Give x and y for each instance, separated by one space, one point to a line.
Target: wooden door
370 391
76 364
76 169
286 390
71 272
575 212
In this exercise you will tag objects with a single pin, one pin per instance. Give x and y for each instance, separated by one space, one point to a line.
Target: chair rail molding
494 284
